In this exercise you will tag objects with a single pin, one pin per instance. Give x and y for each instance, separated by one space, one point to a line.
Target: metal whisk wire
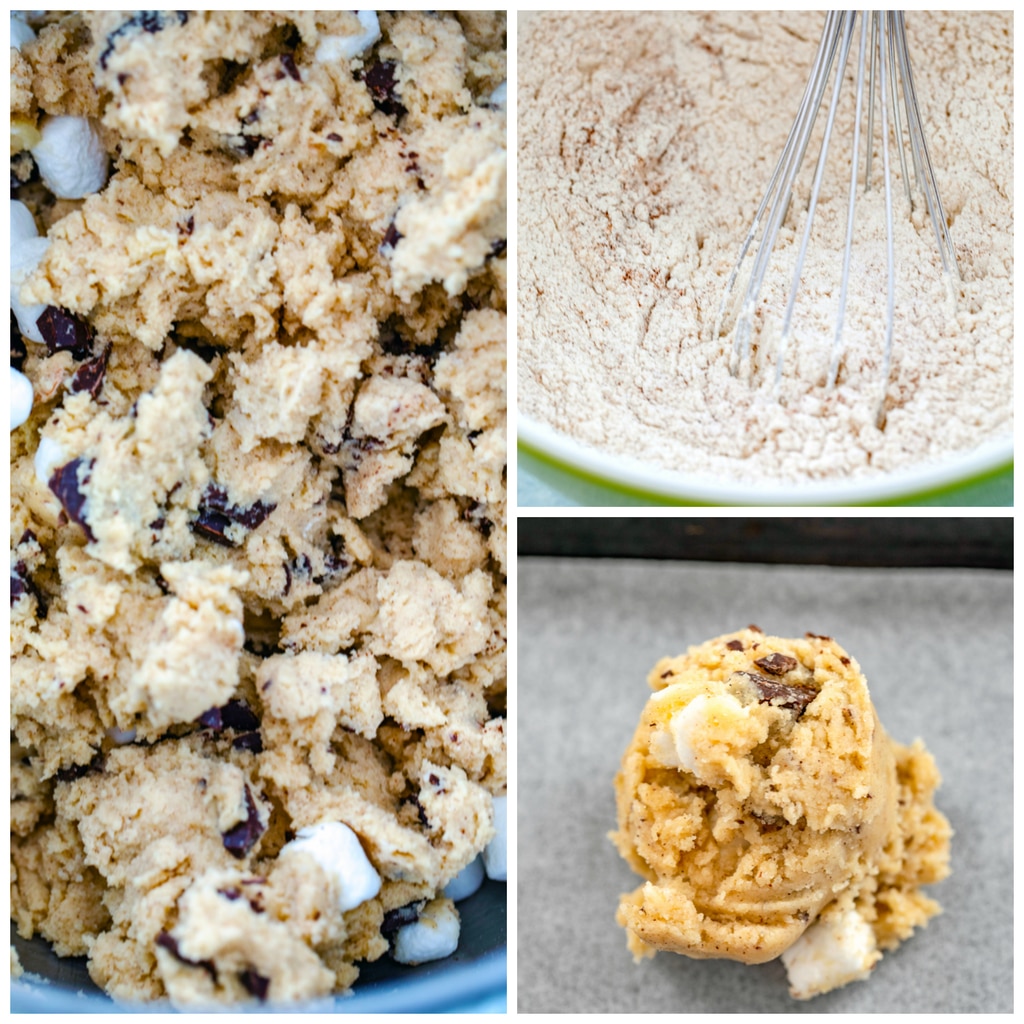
884 58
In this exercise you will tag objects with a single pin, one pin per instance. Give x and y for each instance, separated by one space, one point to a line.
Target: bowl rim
458 984
639 479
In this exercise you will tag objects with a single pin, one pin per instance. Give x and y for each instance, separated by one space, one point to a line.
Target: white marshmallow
20 32
336 848
467 881
49 456
499 97
23 224
26 255
495 855
335 48
835 950
121 737
434 936
21 398
675 748
71 159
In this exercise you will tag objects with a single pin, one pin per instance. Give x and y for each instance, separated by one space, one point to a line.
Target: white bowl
579 468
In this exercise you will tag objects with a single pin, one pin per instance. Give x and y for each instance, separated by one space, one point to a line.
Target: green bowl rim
665 497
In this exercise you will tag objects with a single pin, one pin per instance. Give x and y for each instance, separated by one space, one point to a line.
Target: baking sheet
937 649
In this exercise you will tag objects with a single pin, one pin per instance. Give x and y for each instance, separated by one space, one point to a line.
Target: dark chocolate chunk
186 227
213 526
474 513
64 332
78 771
772 691
288 63
255 984
776 664
380 80
391 237
239 716
735 645
333 137
498 246
66 483
170 943
19 588
249 144
420 812
399 917
216 499
336 568
89 376
251 741
216 514
241 838
235 715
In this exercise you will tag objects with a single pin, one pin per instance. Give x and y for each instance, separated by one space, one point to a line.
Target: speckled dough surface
770 814
258 527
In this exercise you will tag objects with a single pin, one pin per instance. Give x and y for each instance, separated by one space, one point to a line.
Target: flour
646 142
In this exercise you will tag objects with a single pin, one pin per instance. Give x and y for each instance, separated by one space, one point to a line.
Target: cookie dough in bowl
771 815
258 563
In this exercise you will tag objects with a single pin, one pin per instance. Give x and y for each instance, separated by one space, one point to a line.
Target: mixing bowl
584 475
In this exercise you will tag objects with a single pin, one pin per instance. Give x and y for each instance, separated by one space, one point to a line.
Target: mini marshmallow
467 881
495 855
835 950
434 936
336 848
49 456
71 159
335 48
21 398
499 97
20 32
122 737
26 255
23 224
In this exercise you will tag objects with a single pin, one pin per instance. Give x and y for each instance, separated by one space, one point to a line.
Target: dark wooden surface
877 541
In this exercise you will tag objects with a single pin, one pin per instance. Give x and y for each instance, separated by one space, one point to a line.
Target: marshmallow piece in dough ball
21 398
433 936
467 881
837 949
495 855
336 848
71 159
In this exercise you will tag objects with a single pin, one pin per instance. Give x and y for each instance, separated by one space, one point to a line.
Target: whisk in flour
883 61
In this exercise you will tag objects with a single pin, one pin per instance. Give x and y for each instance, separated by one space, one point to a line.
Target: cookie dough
770 814
258 559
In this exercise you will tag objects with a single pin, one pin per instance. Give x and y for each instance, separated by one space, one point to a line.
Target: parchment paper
937 649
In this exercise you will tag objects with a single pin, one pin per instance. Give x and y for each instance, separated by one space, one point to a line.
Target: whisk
885 62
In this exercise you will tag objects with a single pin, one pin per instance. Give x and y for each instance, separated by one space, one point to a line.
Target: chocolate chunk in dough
240 839
66 482
772 691
776 664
